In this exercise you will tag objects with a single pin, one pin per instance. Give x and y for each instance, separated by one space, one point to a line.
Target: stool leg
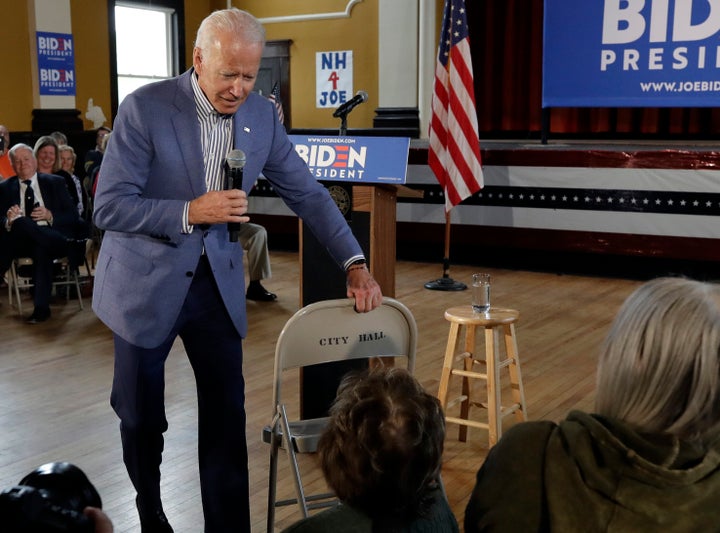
466 388
516 384
447 364
492 346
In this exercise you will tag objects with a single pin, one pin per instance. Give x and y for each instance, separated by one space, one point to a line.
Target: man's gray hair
19 146
236 21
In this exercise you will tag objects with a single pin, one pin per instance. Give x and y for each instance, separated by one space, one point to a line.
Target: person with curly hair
381 454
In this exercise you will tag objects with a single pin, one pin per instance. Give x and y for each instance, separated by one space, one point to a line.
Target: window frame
176 37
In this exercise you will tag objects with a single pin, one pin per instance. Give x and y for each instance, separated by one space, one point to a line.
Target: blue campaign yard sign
56 63
631 53
355 159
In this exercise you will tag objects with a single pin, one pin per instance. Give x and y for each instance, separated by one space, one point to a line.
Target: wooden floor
55 381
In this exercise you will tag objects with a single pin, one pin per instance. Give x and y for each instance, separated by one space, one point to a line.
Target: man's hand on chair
363 287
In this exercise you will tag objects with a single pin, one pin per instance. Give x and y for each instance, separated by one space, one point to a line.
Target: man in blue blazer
167 267
39 222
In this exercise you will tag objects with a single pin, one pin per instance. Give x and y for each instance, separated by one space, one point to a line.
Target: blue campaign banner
56 63
631 53
355 159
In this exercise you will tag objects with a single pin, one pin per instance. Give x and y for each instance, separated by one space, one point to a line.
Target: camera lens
50 499
65 485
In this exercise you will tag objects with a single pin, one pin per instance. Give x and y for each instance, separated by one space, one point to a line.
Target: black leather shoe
257 292
153 520
40 314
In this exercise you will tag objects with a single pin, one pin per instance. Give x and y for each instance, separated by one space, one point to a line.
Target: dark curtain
506 43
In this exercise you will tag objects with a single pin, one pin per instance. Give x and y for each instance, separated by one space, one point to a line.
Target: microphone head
236 159
363 96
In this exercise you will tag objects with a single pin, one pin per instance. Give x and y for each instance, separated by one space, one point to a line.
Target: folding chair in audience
67 275
323 332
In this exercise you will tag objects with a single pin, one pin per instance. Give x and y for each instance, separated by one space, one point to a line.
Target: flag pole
454 144
446 283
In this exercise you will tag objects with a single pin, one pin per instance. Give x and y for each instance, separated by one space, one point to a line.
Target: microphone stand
343 125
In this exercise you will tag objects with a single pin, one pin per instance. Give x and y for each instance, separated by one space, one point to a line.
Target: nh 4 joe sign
334 81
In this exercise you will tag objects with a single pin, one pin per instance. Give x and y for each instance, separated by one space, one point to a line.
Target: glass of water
481 293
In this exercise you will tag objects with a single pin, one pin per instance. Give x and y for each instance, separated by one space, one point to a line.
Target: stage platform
617 199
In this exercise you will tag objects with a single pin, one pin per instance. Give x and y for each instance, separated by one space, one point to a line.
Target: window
144 46
147 43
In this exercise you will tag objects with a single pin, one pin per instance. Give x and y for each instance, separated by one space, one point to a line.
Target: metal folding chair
389 331
67 276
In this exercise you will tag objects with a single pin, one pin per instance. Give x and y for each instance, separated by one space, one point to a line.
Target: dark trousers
214 349
42 244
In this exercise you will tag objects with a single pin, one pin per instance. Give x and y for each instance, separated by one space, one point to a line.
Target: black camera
2 143
49 499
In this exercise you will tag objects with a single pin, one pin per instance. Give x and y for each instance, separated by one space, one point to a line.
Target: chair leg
14 281
272 476
71 279
290 448
68 281
76 277
8 279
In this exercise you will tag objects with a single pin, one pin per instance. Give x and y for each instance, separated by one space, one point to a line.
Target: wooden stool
493 321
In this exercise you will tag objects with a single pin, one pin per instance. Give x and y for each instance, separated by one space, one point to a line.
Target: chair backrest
331 330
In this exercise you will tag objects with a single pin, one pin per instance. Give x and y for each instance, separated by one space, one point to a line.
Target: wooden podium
371 213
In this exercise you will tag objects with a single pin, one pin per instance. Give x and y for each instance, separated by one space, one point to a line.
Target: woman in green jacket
648 459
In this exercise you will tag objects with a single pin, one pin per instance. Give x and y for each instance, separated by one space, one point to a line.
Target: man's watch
357 262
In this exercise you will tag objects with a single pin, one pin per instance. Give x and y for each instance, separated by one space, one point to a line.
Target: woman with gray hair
67 159
648 459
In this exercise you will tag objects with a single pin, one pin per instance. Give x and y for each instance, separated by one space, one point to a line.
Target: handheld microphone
348 106
234 164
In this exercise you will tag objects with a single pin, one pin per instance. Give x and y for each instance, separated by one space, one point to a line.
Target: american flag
454 154
275 98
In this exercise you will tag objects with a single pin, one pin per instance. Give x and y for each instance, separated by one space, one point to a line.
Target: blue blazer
152 166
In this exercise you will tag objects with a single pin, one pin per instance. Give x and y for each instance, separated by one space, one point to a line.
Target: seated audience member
39 221
648 458
75 188
6 169
59 137
381 454
46 154
93 158
253 239
92 179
